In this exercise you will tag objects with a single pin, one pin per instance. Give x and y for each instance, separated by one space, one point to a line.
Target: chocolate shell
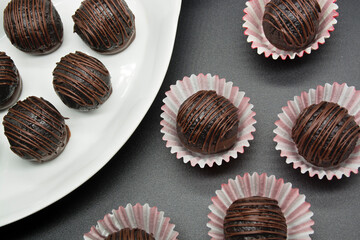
325 134
106 26
207 123
130 234
291 25
254 218
10 82
82 82
33 26
36 130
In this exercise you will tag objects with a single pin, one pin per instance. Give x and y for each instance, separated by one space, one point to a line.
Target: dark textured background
210 39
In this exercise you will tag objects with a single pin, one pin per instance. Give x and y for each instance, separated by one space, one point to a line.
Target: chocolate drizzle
207 123
35 129
106 26
130 234
254 218
325 134
82 81
33 26
10 82
291 25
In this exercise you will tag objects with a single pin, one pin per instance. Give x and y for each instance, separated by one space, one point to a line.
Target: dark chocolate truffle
291 25
10 82
254 218
82 82
325 134
33 26
106 26
36 130
207 123
130 234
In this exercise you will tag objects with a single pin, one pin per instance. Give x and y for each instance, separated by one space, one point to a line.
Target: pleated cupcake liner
185 88
254 30
293 205
342 94
139 216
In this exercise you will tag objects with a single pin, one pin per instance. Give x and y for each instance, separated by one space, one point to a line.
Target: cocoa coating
82 82
130 234
254 218
291 25
10 82
35 129
207 123
325 134
33 26
106 26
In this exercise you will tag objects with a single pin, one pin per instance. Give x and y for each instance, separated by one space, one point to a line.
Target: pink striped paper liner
185 88
293 205
253 24
139 216
342 94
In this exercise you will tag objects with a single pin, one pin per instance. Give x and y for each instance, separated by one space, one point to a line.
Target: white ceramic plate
136 74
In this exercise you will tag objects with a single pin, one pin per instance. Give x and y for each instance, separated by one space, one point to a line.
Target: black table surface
210 39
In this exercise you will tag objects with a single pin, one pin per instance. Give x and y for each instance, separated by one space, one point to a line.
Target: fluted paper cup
342 94
139 216
254 30
185 88
293 205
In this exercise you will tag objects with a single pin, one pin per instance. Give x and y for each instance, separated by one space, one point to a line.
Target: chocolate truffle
33 26
36 130
130 234
254 218
207 123
325 134
106 26
291 25
82 82
10 82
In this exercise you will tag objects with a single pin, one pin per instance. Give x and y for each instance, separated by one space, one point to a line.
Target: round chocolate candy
10 82
254 218
130 234
207 123
325 134
106 26
36 130
82 82
33 26
291 25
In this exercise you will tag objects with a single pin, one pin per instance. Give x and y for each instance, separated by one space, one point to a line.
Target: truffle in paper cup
343 95
254 29
185 88
292 204
139 216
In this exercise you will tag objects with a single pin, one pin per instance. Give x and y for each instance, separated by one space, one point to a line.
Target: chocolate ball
10 82
36 130
291 25
130 234
254 218
325 134
82 82
33 26
207 123
106 26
